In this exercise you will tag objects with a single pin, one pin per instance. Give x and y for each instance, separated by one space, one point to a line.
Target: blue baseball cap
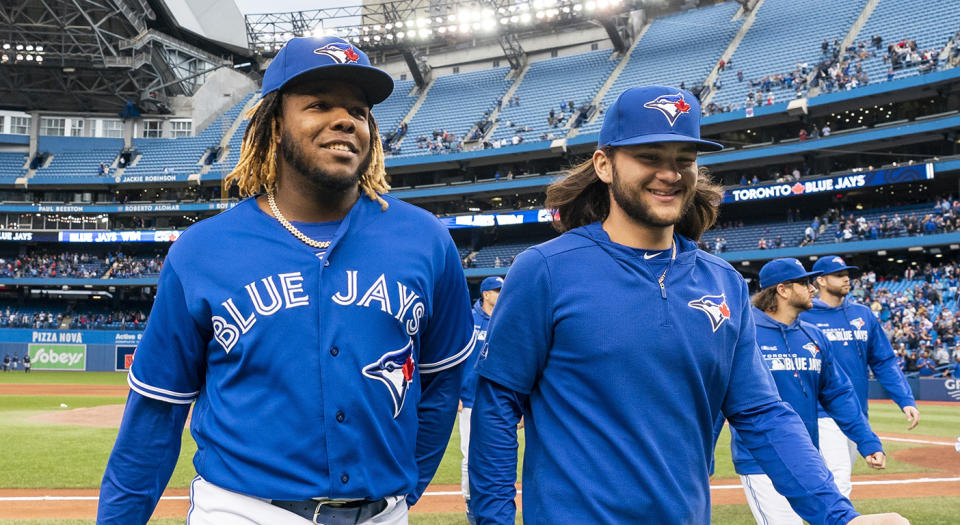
336 58
832 264
644 115
491 283
781 270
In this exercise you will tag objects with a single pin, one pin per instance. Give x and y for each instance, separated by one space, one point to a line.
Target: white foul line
875 482
921 441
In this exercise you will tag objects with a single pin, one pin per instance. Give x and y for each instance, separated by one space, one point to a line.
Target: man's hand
913 416
877 460
891 518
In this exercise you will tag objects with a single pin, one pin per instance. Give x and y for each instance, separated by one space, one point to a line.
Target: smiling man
319 325
621 343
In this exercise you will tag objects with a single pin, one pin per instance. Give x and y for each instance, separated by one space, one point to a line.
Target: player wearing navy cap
318 325
860 345
621 343
806 374
489 292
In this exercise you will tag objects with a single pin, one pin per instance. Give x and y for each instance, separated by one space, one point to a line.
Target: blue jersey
469 383
800 359
620 381
859 342
307 367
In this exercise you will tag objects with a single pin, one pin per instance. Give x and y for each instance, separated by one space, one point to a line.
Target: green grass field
45 455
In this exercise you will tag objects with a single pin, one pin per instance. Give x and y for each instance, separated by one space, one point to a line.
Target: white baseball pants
212 505
465 450
766 504
839 453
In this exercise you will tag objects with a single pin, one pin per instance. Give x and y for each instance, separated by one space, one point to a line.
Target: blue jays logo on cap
812 348
858 323
715 306
340 52
672 106
395 370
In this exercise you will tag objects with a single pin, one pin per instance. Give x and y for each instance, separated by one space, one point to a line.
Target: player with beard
860 346
318 325
806 374
620 343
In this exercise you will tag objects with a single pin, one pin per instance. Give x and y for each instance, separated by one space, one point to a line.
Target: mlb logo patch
670 106
338 52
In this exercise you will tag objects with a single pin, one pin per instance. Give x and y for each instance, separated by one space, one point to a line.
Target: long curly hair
581 198
256 171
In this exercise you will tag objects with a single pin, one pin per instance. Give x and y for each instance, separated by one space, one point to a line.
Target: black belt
334 512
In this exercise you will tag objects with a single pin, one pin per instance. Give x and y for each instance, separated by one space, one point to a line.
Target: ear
603 165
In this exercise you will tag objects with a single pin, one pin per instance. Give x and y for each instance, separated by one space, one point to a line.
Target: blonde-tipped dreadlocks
257 168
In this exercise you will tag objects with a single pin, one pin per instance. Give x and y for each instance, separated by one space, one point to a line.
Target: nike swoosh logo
650 255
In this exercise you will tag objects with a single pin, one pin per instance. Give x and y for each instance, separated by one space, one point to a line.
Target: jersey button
340 416
344 478
334 351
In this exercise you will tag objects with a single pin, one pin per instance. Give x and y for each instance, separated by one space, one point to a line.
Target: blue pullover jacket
858 342
620 380
469 382
801 361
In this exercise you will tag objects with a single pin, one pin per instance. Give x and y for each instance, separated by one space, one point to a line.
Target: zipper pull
663 289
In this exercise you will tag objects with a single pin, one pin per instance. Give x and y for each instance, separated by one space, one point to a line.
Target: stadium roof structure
97 55
414 29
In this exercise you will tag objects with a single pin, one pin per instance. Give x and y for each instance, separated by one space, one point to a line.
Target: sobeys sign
58 357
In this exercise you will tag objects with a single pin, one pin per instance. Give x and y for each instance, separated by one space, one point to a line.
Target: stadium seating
930 23
77 156
228 161
665 57
182 156
11 164
390 112
547 84
785 33
455 103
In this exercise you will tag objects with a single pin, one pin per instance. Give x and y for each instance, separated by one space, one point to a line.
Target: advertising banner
45 356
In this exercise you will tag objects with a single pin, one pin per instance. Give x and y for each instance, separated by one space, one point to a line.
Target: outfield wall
924 389
79 350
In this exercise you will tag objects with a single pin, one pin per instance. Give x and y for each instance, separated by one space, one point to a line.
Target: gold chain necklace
271 200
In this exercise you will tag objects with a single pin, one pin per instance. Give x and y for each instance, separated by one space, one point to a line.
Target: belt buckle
324 503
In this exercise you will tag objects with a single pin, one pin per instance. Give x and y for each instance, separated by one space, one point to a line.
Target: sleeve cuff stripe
174 401
454 360
159 393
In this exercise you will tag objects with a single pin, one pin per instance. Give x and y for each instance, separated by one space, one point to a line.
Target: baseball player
26 362
489 292
805 372
318 325
621 343
6 363
859 344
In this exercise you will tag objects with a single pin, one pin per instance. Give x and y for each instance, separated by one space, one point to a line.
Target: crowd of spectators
69 320
920 319
843 69
42 265
439 141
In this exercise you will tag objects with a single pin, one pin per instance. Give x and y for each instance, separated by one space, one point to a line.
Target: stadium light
6 46
19 56
19 47
4 58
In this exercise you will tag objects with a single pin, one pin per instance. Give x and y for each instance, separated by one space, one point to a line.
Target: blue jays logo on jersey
858 323
812 348
339 52
671 106
715 306
395 370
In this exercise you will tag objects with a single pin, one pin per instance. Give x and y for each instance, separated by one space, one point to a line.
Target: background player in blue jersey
859 345
319 326
801 361
621 343
489 292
